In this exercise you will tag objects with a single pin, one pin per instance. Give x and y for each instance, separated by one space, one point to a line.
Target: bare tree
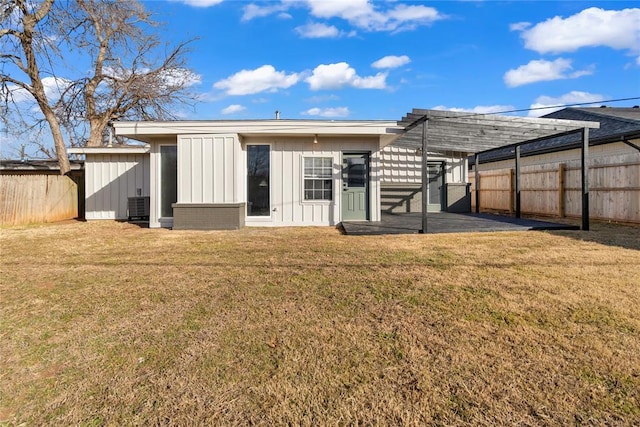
26 39
129 72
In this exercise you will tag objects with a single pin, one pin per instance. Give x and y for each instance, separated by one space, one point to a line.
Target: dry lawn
109 324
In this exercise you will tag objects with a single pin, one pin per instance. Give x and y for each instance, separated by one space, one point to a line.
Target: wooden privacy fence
555 190
37 198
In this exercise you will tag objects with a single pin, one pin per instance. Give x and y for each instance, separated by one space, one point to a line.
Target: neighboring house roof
150 131
616 124
628 113
472 133
7 166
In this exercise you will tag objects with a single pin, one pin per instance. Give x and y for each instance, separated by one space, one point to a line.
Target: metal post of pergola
584 161
477 182
445 131
518 212
425 175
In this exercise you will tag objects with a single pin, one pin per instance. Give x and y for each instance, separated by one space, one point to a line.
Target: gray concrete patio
444 222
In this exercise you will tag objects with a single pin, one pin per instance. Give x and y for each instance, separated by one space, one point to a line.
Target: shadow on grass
610 234
140 223
623 235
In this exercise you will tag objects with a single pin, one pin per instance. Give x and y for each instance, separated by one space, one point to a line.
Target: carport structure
437 131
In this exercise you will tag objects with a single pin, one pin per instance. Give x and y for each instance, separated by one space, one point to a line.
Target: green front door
355 186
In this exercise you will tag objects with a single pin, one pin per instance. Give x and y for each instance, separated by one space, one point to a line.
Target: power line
293 124
521 110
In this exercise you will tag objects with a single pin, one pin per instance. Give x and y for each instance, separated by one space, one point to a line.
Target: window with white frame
318 178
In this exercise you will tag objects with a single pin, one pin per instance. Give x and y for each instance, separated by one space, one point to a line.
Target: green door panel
355 186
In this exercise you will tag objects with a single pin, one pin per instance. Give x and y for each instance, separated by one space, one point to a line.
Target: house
552 167
228 174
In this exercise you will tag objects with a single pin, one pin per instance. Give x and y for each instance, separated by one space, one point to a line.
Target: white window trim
333 180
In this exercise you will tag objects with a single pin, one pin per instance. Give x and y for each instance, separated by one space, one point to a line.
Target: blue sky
359 59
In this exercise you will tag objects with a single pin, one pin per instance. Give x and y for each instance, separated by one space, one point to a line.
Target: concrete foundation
203 216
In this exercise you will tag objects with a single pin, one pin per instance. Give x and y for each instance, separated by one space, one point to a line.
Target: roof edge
109 150
135 130
611 139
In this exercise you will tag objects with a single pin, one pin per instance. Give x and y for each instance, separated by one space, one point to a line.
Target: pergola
442 131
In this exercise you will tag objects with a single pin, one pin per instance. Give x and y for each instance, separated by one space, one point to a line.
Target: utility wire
521 110
292 126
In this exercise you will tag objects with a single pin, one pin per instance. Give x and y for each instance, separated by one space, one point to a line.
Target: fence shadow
605 233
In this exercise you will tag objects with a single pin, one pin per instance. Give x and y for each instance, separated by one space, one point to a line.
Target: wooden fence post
511 191
477 183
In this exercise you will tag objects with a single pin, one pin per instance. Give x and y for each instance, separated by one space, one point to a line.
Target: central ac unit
138 207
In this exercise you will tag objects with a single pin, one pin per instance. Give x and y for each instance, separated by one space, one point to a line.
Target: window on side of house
168 179
318 178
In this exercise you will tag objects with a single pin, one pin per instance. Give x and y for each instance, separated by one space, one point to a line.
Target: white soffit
473 133
149 131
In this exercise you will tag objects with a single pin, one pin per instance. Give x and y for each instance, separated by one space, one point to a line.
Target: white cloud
322 98
342 8
200 3
317 31
542 70
262 79
617 29
53 89
233 108
416 14
480 109
341 74
391 61
519 26
364 14
372 82
55 86
327 112
180 77
173 78
542 103
368 16
252 11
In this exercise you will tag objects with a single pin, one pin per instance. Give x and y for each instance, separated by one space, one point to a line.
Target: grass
109 324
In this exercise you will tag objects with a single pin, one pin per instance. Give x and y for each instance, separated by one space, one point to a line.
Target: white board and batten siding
288 206
111 178
400 165
208 168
